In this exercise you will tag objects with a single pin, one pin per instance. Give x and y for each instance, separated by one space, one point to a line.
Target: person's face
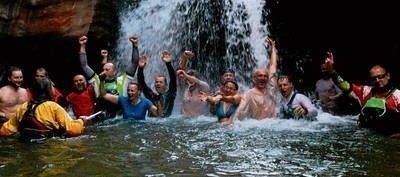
160 84
379 77
324 71
228 77
109 70
285 87
133 91
260 78
40 74
79 82
16 78
229 89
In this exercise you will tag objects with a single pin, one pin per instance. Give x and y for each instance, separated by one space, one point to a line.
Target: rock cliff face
45 33
69 18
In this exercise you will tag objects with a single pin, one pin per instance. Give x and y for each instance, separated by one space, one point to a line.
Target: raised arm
146 90
131 70
273 61
183 75
166 57
183 61
339 81
104 56
83 58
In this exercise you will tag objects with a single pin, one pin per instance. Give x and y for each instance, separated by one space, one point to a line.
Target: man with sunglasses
380 101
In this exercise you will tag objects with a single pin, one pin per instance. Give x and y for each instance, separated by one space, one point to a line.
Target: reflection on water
331 146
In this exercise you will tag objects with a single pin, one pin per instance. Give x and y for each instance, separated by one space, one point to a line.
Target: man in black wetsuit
163 94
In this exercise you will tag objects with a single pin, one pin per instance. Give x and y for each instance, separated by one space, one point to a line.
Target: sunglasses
380 76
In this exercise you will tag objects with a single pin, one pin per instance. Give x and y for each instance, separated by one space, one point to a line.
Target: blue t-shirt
137 112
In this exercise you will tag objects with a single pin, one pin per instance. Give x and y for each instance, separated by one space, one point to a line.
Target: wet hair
234 83
229 71
282 76
11 69
165 78
42 69
135 83
41 90
7 74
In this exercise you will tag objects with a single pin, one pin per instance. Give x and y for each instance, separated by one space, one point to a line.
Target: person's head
79 82
228 75
379 76
41 90
134 90
14 76
230 88
260 78
324 71
285 85
160 83
41 73
110 71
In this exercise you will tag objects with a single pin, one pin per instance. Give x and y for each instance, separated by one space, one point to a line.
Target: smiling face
379 77
230 88
16 78
133 91
260 78
285 86
79 82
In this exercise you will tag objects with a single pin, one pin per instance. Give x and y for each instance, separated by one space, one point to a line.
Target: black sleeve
131 70
146 90
172 77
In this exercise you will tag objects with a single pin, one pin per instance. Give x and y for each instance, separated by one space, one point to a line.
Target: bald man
259 102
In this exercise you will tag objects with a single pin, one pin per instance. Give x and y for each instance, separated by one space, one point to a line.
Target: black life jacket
287 112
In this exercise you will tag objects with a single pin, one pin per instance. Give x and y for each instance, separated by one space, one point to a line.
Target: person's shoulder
144 99
301 96
396 93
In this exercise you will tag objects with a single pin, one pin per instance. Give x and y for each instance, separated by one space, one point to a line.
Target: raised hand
166 56
142 61
270 42
329 61
83 40
181 73
188 54
104 53
134 39
329 58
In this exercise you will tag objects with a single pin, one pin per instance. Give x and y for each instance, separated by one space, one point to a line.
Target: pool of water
330 146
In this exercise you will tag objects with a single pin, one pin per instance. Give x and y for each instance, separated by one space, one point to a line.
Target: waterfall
222 34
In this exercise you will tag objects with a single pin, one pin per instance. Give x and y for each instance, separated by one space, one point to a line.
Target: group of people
110 94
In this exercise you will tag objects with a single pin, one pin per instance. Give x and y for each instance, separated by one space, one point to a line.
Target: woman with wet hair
226 101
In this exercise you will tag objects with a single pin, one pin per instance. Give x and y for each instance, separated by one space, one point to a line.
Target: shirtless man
12 94
259 102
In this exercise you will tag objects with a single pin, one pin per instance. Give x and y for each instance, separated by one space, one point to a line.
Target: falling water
229 38
149 21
